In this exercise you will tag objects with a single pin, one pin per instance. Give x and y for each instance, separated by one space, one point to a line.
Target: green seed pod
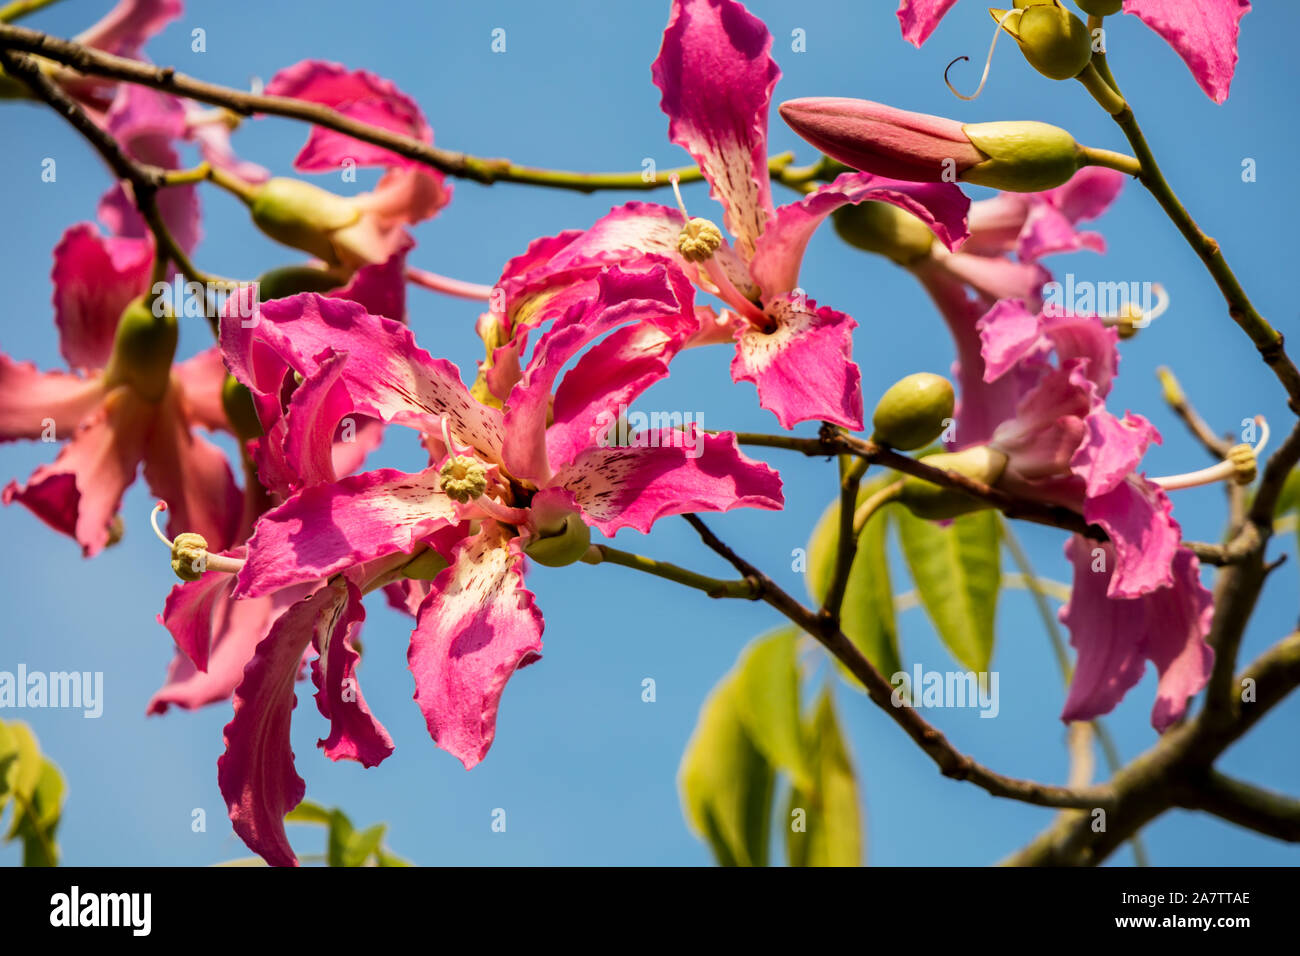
1100 8
884 229
143 348
290 280
237 403
1024 156
301 215
562 545
934 502
1055 42
914 411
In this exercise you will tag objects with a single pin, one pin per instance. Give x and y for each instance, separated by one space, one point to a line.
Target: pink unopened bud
1016 156
883 140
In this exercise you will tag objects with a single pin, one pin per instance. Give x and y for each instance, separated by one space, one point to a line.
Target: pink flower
498 485
717 77
1139 595
1203 33
116 413
967 283
407 193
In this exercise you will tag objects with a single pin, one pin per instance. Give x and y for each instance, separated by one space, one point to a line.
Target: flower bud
143 347
1055 42
237 403
913 411
879 139
559 543
884 229
1024 156
935 502
301 215
290 280
1014 156
1100 8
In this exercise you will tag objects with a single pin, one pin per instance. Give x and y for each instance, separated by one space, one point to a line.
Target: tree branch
462 165
950 761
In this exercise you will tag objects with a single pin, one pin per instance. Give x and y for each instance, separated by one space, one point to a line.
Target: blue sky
586 770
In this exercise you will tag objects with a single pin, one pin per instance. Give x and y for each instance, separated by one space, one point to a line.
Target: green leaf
867 616
1289 499
726 781
362 844
39 824
824 822
8 763
767 698
340 836
26 774
308 812
957 570
385 857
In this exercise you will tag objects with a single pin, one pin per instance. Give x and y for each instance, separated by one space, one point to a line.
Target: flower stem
713 587
1111 160
20 8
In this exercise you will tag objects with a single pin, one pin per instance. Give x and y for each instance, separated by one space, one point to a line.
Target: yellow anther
1244 464
699 240
463 478
189 556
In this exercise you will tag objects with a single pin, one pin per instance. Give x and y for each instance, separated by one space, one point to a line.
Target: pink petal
667 472
1009 333
1114 637
620 297
803 369
607 377
1138 517
201 379
1105 633
94 280
477 627
717 79
1088 194
997 278
1204 34
32 400
982 405
1049 424
1179 618
1112 449
327 528
256 773
358 94
918 18
354 732
779 252
80 493
124 30
202 616
388 376
193 476
381 288
1048 232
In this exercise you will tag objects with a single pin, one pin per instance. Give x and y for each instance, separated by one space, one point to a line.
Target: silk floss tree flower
215 634
124 403
346 233
1137 595
499 486
1010 235
716 76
